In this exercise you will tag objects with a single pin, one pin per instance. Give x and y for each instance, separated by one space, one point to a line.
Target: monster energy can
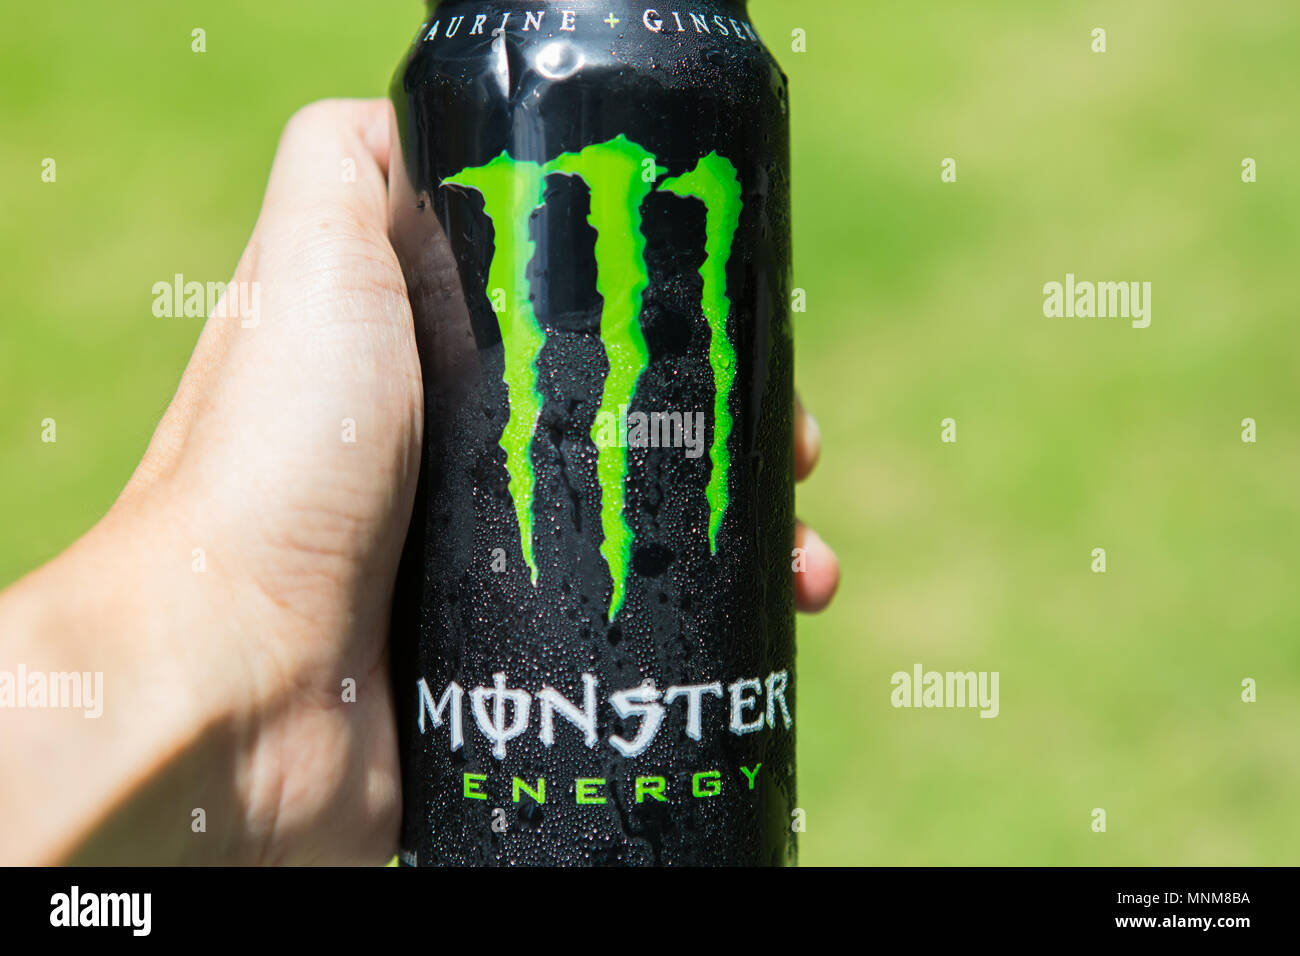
593 629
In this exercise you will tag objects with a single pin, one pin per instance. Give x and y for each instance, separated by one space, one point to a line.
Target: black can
593 628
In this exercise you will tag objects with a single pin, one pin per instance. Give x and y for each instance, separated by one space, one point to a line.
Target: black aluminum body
681 86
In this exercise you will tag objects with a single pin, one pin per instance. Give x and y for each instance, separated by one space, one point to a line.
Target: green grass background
1118 690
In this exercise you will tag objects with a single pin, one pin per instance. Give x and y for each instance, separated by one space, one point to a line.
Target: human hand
300 531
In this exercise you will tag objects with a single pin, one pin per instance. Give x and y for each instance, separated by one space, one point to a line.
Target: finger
815 585
807 441
329 171
331 163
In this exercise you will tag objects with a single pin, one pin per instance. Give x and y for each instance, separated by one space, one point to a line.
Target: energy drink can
593 627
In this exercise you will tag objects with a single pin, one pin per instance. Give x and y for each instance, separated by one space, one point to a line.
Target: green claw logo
614 171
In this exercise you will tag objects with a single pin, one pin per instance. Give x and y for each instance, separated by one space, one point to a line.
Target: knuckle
311 116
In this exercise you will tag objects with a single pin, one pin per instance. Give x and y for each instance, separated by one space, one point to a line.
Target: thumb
332 162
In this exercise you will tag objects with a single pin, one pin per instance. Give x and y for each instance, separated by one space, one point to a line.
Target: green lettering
751 774
472 783
651 787
586 790
711 788
538 795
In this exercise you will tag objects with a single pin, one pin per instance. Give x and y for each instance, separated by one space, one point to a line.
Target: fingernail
812 540
814 431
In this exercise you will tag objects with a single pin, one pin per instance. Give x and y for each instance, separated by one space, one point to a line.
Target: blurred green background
1118 690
